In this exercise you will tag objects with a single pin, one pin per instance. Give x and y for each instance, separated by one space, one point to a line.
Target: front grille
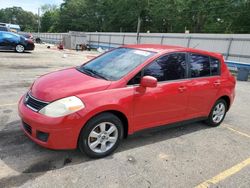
34 103
27 128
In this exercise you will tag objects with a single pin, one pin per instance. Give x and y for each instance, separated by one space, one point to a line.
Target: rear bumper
53 133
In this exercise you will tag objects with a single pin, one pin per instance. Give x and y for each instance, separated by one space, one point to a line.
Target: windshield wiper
92 73
84 71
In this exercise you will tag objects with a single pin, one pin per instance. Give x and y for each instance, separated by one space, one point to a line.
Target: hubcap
219 112
19 48
103 137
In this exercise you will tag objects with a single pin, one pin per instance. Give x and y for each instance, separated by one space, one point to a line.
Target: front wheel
101 135
19 48
217 113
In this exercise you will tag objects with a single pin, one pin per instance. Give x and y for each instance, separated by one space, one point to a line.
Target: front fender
120 100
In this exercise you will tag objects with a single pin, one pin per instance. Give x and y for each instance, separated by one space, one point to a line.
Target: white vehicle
14 27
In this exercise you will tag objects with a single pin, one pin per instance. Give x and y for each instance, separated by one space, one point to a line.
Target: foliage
174 16
50 18
16 15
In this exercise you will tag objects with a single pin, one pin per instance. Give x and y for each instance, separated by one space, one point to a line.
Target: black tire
210 121
83 141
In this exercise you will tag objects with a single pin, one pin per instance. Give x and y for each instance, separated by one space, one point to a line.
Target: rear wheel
217 113
19 48
101 135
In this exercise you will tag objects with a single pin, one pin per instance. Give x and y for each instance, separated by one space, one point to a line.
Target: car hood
64 83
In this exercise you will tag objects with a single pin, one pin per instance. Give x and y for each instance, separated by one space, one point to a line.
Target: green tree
50 18
241 19
16 15
198 16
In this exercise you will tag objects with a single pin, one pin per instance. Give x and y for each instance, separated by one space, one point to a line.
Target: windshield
115 64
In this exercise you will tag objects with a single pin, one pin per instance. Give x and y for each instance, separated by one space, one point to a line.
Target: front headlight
62 107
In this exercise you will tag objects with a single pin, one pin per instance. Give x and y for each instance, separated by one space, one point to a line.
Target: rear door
9 40
167 102
1 41
205 83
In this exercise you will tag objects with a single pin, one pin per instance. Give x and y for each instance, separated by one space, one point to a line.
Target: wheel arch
226 98
117 113
124 120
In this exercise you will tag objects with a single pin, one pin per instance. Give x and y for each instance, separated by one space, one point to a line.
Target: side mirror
148 81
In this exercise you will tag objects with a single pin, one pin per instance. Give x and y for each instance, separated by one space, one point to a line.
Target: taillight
30 41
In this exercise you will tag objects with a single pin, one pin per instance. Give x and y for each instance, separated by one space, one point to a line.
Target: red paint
146 105
148 81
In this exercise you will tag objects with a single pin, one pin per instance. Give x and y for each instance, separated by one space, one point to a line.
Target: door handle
182 88
217 83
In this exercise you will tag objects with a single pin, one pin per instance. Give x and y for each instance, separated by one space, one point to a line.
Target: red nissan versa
125 90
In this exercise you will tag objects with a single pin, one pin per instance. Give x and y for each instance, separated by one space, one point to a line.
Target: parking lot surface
186 156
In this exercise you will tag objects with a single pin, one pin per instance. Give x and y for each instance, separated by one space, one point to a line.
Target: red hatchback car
125 90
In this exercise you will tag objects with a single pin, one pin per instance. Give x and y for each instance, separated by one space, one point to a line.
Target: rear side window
214 66
199 65
169 67
10 36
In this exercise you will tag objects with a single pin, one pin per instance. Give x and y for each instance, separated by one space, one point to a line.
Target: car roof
10 33
169 48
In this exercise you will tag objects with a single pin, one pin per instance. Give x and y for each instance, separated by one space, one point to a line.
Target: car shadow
30 160
12 51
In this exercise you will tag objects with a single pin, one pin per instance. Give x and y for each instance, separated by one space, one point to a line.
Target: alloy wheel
19 48
103 137
218 112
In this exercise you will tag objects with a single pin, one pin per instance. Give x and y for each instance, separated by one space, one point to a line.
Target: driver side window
168 67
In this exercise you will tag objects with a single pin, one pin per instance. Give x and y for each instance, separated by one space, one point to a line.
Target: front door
167 102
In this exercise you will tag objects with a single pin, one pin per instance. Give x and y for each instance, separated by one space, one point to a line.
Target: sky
28 5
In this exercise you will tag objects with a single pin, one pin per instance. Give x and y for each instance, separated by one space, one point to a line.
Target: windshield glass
115 64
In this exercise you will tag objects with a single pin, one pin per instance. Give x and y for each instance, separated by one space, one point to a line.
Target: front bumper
53 133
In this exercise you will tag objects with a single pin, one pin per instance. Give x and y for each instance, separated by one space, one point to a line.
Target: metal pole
99 40
38 29
229 47
123 39
89 38
138 29
109 41
162 38
189 40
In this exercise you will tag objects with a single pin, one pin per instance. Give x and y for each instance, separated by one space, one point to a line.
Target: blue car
12 41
